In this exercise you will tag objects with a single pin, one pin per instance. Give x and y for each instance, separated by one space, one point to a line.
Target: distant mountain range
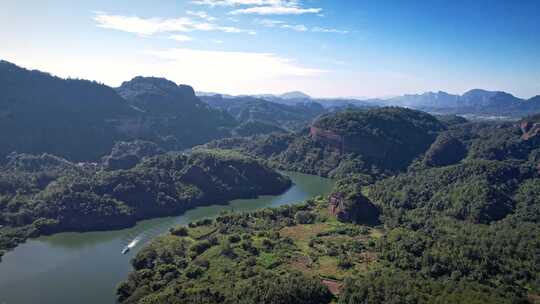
288 95
251 108
476 101
297 97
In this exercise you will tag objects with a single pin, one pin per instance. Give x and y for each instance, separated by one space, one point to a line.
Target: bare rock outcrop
354 208
530 129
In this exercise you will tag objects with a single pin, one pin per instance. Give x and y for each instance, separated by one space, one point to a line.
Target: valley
308 200
86 267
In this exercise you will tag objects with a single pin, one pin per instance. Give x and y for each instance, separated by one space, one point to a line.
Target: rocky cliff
352 207
389 137
530 129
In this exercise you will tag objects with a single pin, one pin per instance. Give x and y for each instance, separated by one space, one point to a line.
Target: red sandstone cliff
331 138
530 129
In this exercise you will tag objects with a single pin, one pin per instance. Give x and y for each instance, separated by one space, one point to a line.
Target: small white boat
130 245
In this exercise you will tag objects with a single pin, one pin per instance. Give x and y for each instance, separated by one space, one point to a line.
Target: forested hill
391 137
81 120
60 116
376 142
47 194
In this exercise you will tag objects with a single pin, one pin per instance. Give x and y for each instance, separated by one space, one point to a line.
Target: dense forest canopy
458 224
45 194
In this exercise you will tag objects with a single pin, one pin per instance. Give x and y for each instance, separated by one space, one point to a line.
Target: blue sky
324 48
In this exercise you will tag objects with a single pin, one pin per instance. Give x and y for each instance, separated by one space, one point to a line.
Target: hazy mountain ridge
475 101
247 108
81 119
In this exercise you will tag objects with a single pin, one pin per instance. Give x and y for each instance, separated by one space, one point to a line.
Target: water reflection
86 267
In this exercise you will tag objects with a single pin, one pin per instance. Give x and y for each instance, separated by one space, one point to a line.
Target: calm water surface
86 267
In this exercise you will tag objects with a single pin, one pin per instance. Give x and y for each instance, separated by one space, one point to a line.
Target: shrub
179 231
305 217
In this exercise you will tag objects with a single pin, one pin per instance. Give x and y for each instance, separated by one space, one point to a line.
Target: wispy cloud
297 27
269 22
180 38
272 23
256 65
275 10
202 15
247 2
151 26
262 7
328 30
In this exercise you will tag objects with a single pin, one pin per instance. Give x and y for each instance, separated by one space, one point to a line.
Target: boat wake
132 244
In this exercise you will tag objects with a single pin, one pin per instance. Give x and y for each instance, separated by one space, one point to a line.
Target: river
86 267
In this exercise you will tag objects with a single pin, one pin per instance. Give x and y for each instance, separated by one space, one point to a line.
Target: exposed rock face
529 129
365 145
327 136
354 208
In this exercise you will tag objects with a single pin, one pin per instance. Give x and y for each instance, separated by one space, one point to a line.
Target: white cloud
262 7
151 26
275 10
142 26
180 38
328 30
269 22
298 27
201 14
247 2
272 23
221 65
217 41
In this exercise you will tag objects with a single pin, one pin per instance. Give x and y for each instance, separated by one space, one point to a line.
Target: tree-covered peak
379 121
